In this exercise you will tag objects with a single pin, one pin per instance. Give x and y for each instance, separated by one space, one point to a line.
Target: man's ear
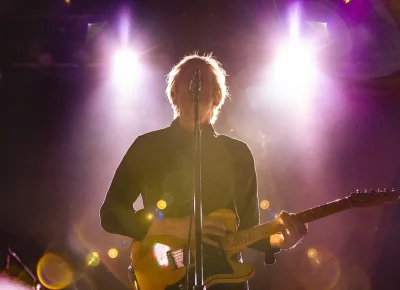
173 97
215 97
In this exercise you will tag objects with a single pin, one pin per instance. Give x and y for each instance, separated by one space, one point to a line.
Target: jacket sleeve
247 202
117 214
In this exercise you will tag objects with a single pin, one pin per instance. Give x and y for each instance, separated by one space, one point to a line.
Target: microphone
195 83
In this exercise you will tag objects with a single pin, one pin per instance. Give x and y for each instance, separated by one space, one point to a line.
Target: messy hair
219 81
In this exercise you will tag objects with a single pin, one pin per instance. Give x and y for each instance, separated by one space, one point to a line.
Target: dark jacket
159 166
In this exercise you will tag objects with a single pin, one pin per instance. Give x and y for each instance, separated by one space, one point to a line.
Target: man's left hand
293 230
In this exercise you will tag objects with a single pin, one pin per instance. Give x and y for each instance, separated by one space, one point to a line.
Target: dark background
61 140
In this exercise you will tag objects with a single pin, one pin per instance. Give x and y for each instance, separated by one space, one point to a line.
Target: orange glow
161 204
113 253
346 1
67 1
264 204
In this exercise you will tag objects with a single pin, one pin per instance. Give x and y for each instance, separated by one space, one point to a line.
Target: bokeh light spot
92 259
161 204
54 272
112 253
312 253
264 204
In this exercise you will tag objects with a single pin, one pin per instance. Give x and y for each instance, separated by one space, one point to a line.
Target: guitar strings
209 251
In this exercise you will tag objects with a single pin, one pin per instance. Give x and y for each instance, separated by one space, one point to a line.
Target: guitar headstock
373 197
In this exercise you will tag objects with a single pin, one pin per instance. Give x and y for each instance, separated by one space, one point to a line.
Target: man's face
184 97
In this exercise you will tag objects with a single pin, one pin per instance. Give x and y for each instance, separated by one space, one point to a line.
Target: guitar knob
379 190
357 191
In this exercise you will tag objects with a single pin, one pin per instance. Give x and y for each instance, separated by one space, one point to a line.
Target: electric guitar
159 261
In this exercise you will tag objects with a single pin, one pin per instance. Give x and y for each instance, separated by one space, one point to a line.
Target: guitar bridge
177 258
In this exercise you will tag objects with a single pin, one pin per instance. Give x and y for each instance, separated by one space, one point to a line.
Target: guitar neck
244 238
325 210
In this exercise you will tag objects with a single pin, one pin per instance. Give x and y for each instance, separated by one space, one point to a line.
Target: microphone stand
11 253
195 88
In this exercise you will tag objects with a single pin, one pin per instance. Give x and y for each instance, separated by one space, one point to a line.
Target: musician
159 166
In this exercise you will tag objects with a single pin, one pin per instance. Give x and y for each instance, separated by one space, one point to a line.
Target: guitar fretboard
245 238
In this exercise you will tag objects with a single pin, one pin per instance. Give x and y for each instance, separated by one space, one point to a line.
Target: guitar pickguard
214 263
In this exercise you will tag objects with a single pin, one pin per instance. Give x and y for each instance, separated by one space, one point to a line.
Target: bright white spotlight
294 71
125 67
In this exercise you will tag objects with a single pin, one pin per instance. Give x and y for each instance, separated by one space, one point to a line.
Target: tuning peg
365 191
379 190
357 191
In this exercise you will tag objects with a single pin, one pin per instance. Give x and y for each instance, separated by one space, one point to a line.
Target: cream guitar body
154 272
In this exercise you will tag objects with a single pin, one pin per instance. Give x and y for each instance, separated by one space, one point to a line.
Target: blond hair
219 81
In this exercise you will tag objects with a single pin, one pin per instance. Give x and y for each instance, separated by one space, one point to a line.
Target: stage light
294 70
112 253
125 68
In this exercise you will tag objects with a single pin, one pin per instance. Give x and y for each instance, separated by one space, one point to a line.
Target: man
160 164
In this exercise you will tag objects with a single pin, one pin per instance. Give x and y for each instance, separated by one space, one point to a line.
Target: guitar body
158 260
154 272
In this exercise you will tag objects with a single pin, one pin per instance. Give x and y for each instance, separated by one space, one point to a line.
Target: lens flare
53 272
92 259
